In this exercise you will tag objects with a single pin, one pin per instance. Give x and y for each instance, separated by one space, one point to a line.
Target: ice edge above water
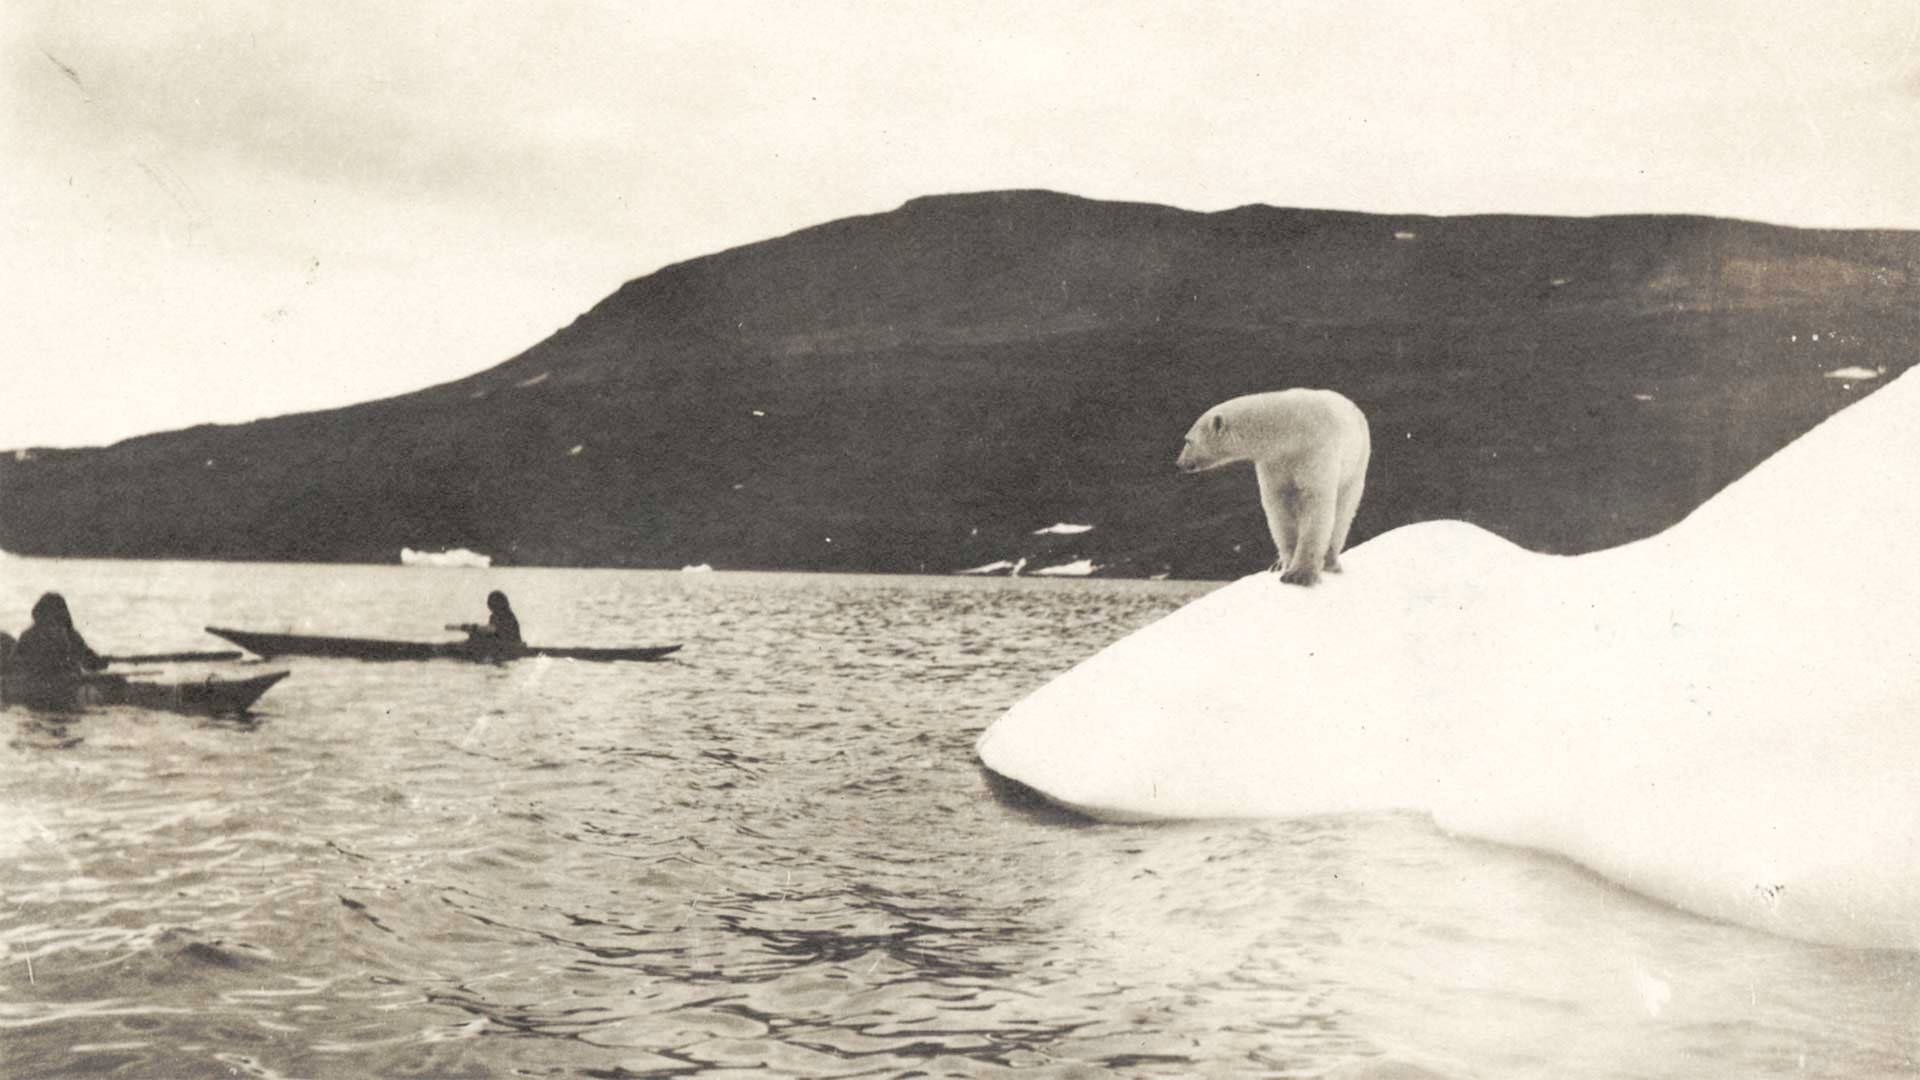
1723 716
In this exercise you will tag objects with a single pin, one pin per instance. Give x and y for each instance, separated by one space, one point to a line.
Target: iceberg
455 557
1063 528
1725 716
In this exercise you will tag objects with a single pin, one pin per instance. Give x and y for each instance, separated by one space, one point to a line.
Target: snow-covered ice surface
455 557
1725 716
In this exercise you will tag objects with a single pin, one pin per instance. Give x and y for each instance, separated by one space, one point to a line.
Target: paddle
172 657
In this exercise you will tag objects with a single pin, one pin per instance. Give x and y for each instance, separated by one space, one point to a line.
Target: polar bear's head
1210 443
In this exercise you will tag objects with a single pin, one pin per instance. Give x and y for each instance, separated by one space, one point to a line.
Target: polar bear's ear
1219 423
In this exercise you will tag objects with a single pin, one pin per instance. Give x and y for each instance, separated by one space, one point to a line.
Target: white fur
1309 450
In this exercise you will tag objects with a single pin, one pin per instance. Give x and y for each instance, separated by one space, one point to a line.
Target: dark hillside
920 390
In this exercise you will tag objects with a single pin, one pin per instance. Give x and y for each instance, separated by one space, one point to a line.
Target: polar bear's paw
1304 574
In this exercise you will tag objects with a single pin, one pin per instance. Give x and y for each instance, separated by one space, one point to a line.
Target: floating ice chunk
1655 992
1692 715
1853 373
1063 529
455 557
1405 234
535 381
577 450
1076 568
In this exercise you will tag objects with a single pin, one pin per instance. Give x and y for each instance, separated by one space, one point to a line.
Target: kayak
212 695
268 646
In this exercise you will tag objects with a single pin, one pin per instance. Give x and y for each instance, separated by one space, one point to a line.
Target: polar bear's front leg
1275 499
1307 503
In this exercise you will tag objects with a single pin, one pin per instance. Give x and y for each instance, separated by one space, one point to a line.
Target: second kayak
268 646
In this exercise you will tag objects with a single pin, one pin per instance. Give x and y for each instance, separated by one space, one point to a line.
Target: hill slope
924 388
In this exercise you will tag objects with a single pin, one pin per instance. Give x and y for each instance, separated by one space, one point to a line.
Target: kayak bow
213 696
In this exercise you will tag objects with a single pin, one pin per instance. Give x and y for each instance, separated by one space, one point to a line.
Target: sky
213 212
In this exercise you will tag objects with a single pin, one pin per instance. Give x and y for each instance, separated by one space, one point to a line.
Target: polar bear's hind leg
1344 511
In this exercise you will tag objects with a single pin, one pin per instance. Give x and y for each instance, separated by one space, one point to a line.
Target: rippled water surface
776 855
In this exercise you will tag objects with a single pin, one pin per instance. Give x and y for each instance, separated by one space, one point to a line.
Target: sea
776 855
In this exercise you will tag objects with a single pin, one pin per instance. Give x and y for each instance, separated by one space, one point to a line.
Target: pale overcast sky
219 211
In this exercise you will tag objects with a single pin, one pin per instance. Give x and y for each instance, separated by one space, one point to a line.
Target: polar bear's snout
1197 458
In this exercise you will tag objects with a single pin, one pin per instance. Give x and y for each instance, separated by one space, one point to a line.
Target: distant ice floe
697 568
1404 234
1013 568
1076 568
989 568
1853 373
455 557
1063 529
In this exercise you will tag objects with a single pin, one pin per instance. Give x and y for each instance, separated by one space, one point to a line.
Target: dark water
777 856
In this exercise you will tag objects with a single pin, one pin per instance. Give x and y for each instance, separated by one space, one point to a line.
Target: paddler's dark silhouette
502 630
51 647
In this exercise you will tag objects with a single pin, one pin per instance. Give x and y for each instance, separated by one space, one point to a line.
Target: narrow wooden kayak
213 696
268 646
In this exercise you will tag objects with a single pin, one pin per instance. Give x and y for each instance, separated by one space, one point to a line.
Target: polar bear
1309 450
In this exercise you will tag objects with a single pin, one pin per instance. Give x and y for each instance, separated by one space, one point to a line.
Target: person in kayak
51 646
502 629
